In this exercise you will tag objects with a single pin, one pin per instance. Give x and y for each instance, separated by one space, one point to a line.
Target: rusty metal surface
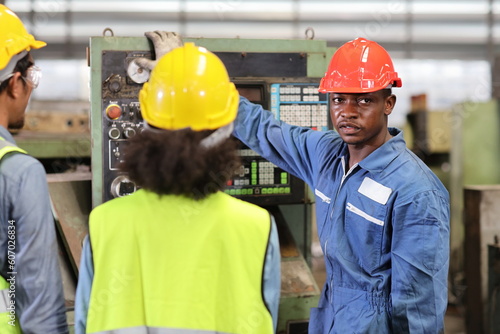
299 293
297 279
71 204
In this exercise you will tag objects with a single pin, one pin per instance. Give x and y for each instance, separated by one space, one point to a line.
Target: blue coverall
383 227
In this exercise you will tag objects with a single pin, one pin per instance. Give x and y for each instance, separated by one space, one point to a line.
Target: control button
114 133
129 132
113 111
114 83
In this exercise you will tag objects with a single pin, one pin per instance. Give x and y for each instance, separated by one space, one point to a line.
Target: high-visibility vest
170 264
7 147
9 323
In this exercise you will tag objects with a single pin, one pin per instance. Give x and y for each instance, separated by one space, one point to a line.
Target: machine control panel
258 180
300 104
121 116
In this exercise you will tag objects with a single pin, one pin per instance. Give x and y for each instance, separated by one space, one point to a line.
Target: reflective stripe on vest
4 299
157 330
171 262
9 324
7 147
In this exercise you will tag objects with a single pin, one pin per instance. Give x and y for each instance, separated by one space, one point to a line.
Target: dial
137 74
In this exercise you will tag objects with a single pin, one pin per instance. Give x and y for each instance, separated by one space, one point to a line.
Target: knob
129 132
114 133
115 84
122 186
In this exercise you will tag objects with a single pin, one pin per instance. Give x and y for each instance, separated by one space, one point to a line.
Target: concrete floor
454 319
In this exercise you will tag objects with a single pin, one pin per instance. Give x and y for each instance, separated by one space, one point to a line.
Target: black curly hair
173 162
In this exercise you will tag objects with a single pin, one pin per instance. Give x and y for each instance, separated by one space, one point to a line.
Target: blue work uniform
383 227
25 204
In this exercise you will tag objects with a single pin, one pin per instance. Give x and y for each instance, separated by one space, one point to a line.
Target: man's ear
16 85
390 102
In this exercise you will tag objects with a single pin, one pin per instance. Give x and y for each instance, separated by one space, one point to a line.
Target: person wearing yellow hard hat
179 255
30 279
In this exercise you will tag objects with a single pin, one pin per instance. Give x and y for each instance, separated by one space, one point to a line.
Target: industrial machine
283 76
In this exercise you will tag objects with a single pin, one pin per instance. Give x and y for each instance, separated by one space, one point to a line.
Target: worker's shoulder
16 165
417 176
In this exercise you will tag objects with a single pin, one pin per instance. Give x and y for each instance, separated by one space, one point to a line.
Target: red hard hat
359 66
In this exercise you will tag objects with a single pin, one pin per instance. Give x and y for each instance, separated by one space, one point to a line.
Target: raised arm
292 148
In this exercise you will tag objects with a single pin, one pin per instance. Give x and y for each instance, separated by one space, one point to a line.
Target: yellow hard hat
13 37
189 88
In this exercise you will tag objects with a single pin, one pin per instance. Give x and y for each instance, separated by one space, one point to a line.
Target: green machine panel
282 76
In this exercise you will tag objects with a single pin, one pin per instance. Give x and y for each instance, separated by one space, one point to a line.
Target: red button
113 111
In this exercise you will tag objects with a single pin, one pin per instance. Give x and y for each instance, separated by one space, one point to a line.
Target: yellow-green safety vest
169 264
9 323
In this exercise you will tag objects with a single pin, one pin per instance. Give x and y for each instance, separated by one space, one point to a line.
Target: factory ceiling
417 29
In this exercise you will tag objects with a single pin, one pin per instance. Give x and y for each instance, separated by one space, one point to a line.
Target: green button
264 191
287 190
226 191
282 190
284 178
250 191
232 192
254 182
243 191
276 190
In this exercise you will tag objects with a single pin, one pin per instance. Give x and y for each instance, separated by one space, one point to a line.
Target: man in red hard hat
382 215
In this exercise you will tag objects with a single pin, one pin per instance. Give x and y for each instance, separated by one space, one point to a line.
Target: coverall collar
379 159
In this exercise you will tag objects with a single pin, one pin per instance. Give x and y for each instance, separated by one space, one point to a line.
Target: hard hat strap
216 137
6 72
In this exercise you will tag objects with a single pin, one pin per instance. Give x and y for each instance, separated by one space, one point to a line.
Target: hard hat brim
37 44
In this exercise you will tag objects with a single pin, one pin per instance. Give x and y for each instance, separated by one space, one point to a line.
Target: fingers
163 42
161 36
145 63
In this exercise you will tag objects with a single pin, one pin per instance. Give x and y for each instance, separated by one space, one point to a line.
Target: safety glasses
33 76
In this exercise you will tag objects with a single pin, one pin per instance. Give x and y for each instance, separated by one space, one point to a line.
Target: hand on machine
163 41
